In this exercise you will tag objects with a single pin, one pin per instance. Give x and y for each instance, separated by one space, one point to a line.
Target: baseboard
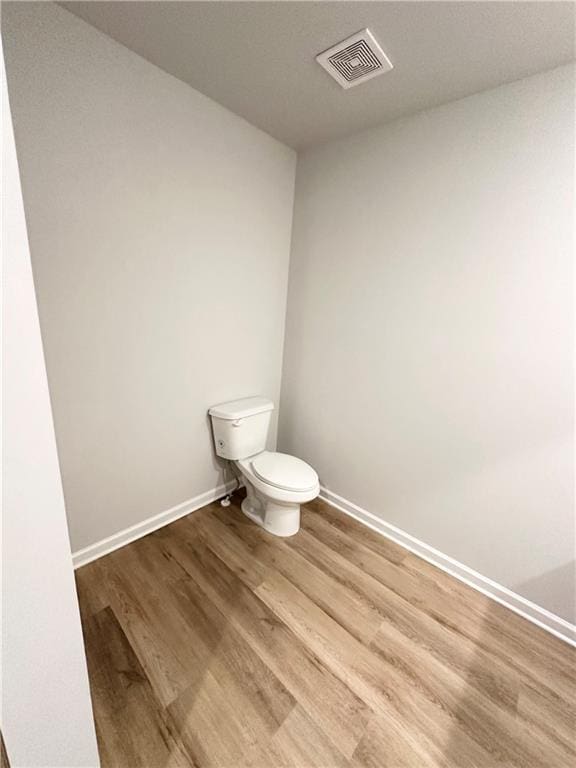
520 605
117 540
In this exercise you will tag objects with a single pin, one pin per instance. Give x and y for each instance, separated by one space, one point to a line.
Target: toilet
276 483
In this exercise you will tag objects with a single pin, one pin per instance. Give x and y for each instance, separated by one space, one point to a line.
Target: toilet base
277 519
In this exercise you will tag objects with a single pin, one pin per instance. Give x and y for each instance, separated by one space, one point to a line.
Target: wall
159 227
46 715
428 355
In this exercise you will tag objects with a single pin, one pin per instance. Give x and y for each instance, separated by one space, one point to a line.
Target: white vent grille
355 60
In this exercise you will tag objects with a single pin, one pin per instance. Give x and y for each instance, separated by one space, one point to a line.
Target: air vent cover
355 60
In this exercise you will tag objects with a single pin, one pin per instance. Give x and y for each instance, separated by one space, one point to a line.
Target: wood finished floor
4 762
211 643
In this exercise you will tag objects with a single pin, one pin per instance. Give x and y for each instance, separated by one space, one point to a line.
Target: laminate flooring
212 644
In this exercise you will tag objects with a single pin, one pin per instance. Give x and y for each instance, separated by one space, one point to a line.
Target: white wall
428 358
46 715
159 227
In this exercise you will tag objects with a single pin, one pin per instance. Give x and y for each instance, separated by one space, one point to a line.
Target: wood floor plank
416 588
297 744
355 532
212 644
236 695
556 717
486 673
238 553
156 632
534 647
340 714
91 588
509 738
122 694
490 665
384 746
231 661
403 703
537 642
256 546
4 762
528 649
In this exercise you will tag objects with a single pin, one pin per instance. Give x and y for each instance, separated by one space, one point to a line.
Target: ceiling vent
355 60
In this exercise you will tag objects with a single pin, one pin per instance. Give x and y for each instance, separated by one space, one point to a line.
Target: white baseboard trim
520 605
117 540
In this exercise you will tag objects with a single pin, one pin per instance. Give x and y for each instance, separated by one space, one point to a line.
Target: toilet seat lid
284 471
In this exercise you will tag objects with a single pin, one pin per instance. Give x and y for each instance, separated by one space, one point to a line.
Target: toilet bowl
276 483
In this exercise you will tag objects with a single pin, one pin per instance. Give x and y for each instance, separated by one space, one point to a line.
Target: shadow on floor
519 697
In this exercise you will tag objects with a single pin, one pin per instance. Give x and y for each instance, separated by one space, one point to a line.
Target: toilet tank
241 427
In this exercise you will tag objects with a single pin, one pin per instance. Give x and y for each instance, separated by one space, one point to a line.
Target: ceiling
258 58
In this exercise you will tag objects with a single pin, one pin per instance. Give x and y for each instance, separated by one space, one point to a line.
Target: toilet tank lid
239 409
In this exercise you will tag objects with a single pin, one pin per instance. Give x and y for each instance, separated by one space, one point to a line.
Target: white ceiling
257 58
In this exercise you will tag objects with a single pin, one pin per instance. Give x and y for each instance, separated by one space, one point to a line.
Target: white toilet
276 483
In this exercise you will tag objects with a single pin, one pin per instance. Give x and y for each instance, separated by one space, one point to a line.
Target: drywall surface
46 713
429 342
159 227
441 51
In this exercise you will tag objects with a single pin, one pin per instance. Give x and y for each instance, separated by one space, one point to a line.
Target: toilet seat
285 472
274 502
